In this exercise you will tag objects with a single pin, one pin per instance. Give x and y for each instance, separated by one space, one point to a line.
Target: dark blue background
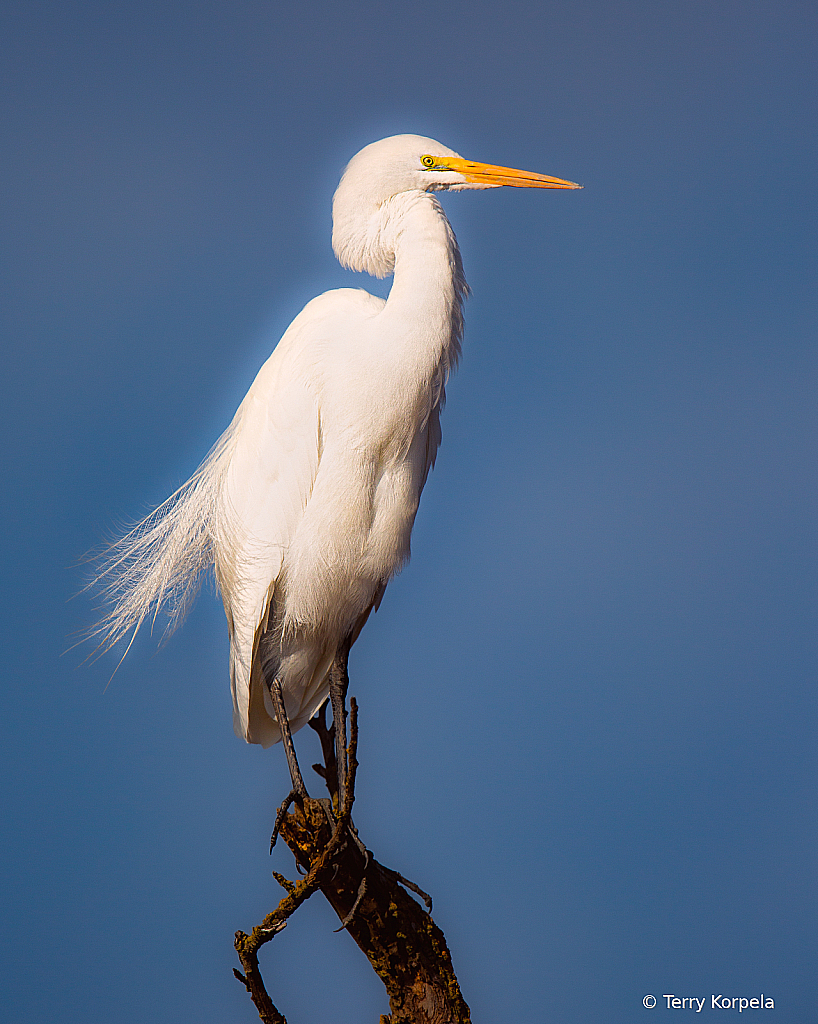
588 707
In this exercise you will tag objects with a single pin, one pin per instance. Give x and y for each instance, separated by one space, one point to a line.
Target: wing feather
275 460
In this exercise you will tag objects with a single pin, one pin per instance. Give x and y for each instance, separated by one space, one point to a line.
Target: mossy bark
400 939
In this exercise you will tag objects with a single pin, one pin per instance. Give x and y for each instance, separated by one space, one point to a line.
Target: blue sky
588 706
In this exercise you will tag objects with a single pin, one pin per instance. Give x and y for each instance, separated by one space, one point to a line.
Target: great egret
306 504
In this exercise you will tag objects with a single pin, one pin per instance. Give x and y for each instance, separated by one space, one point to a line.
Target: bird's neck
409 236
429 287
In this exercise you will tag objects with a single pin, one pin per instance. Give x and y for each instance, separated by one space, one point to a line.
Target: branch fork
399 937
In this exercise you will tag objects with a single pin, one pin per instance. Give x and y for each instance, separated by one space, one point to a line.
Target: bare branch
399 937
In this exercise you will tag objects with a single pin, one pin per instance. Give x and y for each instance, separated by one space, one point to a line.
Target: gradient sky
588 706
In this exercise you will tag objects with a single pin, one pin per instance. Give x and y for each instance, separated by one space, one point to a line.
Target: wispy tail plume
161 561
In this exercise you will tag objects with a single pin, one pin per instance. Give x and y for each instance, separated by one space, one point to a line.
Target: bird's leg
299 789
338 685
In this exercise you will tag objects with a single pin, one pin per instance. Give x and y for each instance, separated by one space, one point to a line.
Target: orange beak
489 174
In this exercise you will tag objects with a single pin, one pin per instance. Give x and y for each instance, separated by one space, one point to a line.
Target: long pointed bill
489 174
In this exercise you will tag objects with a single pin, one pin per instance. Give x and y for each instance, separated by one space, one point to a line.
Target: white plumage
305 506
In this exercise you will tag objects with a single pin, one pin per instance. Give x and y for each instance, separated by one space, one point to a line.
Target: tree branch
399 938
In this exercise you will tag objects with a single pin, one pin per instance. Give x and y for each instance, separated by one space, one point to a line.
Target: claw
289 800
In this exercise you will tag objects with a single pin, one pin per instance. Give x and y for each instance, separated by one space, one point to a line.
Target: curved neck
409 236
428 287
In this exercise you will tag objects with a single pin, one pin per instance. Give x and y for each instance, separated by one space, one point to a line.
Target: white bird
306 504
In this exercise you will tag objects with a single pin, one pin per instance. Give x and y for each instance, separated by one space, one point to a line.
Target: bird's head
410 163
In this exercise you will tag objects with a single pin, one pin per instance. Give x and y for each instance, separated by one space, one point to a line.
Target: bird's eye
427 161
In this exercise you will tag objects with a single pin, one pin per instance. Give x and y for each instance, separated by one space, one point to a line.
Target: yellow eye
427 161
